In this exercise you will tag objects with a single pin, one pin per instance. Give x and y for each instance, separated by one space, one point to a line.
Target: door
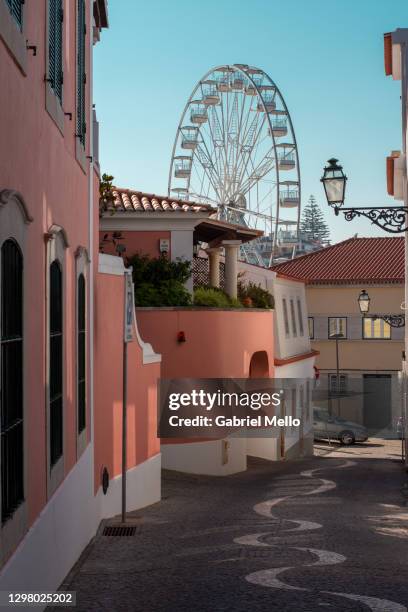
377 401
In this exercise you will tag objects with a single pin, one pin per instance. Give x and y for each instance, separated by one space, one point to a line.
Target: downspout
91 287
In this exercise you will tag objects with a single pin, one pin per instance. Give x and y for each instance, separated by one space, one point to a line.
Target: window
376 329
11 394
292 314
81 347
337 327
300 317
310 323
81 77
285 316
55 18
342 388
56 363
16 9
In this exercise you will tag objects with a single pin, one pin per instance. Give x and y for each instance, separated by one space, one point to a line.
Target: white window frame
56 247
81 267
337 319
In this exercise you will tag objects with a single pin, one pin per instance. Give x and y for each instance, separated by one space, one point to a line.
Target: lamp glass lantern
364 302
334 182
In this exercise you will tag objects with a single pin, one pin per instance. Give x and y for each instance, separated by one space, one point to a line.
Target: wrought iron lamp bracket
392 219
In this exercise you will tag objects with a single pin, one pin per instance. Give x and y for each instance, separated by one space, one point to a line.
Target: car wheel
347 438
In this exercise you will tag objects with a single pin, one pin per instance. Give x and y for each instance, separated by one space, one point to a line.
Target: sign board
129 307
164 245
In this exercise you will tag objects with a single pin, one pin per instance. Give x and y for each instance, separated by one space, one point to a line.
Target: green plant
255 295
213 297
105 193
159 281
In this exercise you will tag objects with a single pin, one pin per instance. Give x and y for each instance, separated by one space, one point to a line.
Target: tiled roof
353 261
137 201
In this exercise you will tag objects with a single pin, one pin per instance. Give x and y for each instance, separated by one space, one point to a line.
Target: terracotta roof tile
137 201
353 261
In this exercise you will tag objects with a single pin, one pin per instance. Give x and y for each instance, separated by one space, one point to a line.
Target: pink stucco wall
142 442
219 343
39 162
146 242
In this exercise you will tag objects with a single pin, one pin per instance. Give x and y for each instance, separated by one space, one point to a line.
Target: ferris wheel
235 148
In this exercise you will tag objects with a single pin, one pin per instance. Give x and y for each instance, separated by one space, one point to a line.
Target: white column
231 266
214 265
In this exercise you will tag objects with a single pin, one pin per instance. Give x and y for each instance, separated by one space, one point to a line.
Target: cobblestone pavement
329 532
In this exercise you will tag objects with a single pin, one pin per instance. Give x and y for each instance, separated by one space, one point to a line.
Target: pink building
61 309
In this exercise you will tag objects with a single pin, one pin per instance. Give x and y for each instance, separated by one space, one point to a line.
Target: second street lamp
392 219
364 305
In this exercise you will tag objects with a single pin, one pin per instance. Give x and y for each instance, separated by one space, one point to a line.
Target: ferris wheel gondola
235 148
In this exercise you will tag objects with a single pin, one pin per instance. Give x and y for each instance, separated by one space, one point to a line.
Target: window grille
81 371
56 363
55 37
11 392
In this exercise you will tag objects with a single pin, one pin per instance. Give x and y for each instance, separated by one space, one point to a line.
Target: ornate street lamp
334 183
364 302
364 305
392 219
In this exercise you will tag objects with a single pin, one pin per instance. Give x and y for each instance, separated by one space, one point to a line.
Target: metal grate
119 531
201 274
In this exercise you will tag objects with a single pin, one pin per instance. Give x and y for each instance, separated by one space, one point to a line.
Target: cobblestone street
326 532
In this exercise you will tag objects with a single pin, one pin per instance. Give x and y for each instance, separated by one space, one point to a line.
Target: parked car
326 426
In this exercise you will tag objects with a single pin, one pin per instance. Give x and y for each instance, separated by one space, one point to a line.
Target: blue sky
326 58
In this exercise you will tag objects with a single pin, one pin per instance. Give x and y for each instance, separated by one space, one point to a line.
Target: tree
313 226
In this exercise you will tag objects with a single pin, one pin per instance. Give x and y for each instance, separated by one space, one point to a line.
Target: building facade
56 330
367 353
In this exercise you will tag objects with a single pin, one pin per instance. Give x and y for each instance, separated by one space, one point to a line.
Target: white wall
288 344
206 457
69 521
264 448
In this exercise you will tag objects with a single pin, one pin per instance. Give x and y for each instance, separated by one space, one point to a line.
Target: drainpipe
91 288
404 84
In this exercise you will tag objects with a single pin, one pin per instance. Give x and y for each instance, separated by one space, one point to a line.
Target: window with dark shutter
55 32
56 363
16 9
11 390
81 77
81 339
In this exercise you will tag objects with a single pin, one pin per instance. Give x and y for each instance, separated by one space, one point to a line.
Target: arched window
56 363
11 391
81 344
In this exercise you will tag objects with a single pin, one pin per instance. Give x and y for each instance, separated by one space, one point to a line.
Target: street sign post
128 336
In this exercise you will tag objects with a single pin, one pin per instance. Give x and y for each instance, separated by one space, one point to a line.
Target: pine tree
313 226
